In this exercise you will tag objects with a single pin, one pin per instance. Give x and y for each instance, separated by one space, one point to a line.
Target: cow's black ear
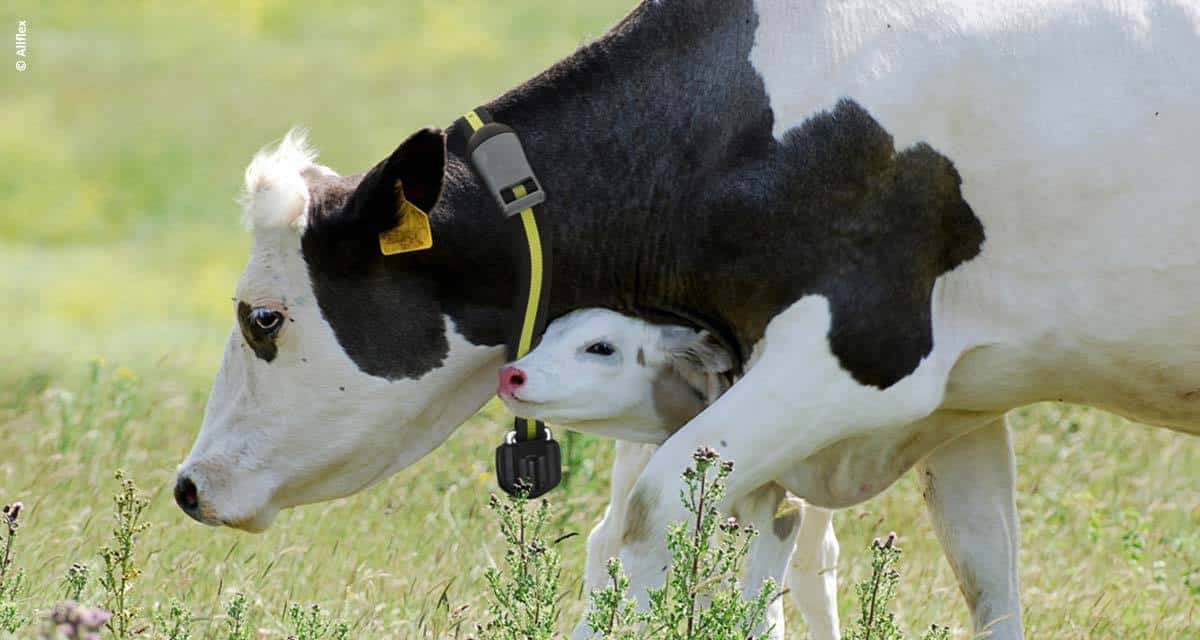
417 167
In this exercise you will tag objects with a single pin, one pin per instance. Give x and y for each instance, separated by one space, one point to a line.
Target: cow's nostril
516 379
186 495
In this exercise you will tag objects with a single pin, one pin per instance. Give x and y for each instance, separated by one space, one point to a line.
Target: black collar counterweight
528 460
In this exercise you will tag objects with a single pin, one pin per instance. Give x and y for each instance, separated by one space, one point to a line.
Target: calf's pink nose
511 379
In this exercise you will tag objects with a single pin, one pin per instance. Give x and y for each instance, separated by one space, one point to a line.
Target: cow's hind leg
968 486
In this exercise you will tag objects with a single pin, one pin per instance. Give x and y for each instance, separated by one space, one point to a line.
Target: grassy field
122 146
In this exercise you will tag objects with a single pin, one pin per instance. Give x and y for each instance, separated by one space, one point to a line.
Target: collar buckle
530 467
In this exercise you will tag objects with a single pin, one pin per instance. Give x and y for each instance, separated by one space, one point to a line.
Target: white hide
1074 126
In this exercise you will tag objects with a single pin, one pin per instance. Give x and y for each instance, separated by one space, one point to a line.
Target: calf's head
599 371
341 366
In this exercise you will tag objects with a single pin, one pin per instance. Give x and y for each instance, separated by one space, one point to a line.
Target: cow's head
341 368
604 372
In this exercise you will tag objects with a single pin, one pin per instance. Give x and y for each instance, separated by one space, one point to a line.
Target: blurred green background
124 141
122 147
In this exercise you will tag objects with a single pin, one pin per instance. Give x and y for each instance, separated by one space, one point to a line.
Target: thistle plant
613 614
876 621
73 621
120 569
937 632
11 617
175 624
875 594
702 597
10 515
707 556
75 581
314 624
237 624
524 603
12 581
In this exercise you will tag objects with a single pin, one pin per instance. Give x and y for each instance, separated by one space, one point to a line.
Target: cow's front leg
968 486
795 401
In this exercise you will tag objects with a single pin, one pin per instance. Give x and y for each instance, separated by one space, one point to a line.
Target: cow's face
336 374
604 372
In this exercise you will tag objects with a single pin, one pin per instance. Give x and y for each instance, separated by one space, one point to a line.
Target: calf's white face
599 371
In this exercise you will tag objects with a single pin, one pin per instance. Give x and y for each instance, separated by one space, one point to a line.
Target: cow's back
1074 127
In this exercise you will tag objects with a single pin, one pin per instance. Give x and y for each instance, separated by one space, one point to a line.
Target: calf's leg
812 576
604 541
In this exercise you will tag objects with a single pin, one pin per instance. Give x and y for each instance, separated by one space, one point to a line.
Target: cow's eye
266 322
601 349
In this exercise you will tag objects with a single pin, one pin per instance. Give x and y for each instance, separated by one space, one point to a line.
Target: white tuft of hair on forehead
276 194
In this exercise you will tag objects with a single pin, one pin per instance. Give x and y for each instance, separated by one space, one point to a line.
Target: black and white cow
907 217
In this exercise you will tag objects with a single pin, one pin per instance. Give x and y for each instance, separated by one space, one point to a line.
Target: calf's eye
601 349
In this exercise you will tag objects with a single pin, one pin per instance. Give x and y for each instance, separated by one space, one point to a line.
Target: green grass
123 146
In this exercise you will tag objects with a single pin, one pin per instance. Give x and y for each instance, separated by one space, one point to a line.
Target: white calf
602 372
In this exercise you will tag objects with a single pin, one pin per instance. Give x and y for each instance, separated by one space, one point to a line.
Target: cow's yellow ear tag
411 233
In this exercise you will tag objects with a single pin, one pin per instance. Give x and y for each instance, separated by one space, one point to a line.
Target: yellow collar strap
528 460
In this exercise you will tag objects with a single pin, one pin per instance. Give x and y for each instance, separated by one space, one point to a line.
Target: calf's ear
413 174
696 349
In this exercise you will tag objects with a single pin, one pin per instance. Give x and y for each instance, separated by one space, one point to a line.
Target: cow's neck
626 136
